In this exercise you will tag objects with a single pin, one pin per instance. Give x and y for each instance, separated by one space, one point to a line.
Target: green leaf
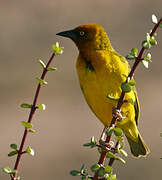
113 177
148 58
26 105
154 19
112 98
148 37
110 155
146 44
109 131
93 142
56 49
13 172
93 139
117 131
7 170
160 134
12 153
18 178
132 82
41 81
145 63
124 153
101 172
153 42
30 151
108 169
126 76
107 177
42 64
118 148
82 168
13 146
83 177
125 87
51 69
130 101
95 167
134 52
75 173
42 107
99 150
118 138
32 130
26 124
160 25
120 159
130 57
87 144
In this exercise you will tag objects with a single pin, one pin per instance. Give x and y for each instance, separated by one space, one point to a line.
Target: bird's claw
106 146
117 114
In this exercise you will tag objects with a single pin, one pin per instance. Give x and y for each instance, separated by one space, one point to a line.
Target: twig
121 99
32 111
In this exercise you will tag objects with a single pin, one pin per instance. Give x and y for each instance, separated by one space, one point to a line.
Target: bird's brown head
88 37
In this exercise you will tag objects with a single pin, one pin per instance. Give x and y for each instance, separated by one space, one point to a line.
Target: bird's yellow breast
103 80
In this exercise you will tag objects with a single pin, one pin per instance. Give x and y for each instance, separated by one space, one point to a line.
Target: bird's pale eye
82 33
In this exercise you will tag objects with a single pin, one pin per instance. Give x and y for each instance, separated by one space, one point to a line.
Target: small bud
75 173
125 87
51 69
110 155
108 169
7 170
153 42
56 49
101 172
30 151
42 107
95 167
132 82
134 52
41 81
26 124
42 64
120 159
145 63
160 25
154 19
124 153
146 44
117 131
32 130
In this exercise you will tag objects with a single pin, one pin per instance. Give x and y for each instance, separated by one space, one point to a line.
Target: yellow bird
101 70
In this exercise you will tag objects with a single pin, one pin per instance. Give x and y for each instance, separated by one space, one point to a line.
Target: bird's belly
96 97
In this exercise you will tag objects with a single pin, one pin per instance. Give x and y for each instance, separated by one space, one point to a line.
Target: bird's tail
138 148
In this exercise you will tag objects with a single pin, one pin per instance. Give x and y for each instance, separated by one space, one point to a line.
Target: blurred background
27 31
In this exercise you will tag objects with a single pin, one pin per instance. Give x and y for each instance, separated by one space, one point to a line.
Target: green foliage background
27 32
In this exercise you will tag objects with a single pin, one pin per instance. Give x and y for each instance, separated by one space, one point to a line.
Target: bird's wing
136 105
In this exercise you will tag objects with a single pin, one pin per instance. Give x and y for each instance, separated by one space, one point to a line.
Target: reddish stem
121 100
32 111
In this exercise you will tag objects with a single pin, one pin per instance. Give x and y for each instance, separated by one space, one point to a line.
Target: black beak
69 34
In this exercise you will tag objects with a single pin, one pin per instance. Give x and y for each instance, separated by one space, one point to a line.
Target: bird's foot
106 146
117 114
